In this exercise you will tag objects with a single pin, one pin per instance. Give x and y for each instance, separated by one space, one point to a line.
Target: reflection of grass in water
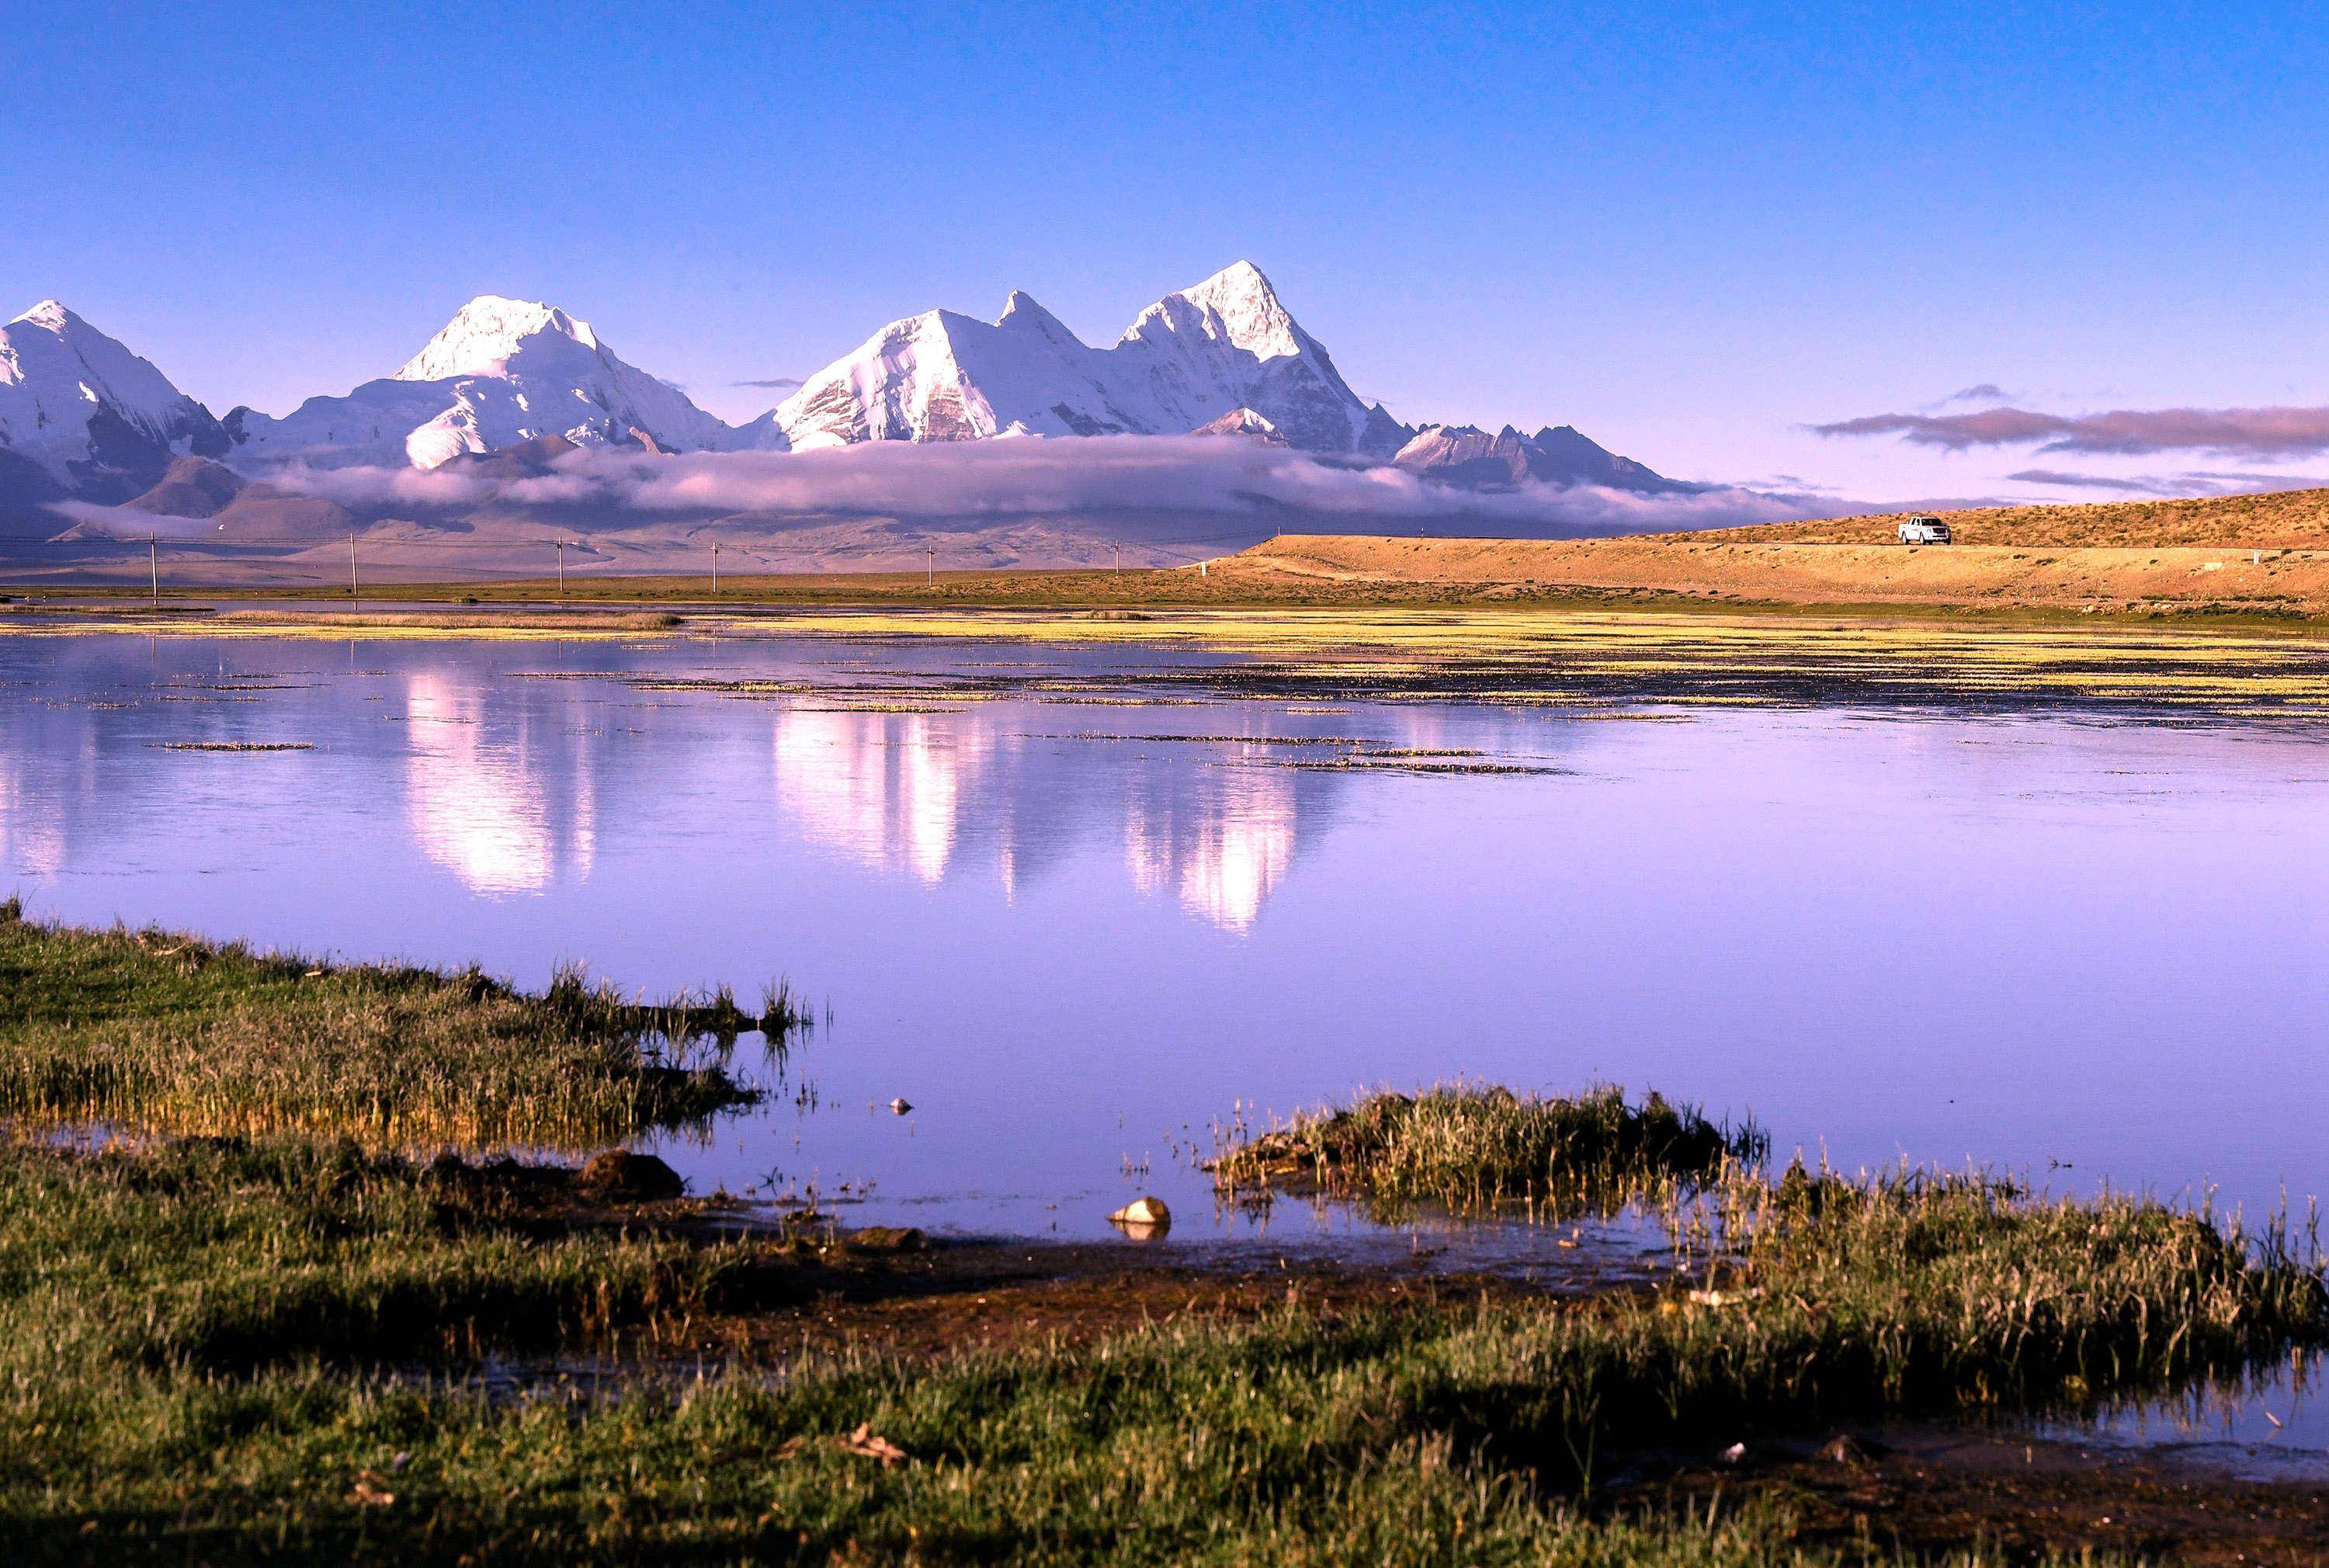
1376 762
1222 739
233 745
170 1032
1472 1147
867 708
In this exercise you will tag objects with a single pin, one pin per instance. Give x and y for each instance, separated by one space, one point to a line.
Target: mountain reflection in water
1074 923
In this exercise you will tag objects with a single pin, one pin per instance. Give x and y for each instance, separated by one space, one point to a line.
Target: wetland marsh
1078 890
1020 917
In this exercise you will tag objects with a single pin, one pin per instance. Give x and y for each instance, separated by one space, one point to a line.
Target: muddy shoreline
1921 1485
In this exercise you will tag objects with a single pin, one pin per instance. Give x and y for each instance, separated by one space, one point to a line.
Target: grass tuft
1471 1147
168 1032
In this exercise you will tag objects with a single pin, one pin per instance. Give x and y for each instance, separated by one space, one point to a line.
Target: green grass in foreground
200 1343
170 1032
1472 1147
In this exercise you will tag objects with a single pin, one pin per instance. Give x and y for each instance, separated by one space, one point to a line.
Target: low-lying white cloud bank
1018 478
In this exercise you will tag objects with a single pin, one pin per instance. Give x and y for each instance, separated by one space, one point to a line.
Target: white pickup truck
1924 530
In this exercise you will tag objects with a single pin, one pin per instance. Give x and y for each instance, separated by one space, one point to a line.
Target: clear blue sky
1690 231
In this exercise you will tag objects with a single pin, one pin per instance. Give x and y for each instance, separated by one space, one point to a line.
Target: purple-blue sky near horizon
1691 230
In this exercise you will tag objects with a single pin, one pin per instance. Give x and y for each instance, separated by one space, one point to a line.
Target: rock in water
1143 1217
887 1238
1849 1449
619 1175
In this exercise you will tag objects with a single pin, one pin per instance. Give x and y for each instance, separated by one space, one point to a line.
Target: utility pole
355 599
715 571
154 565
931 567
1119 558
561 568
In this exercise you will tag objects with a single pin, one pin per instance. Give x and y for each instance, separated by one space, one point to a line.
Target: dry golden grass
2283 520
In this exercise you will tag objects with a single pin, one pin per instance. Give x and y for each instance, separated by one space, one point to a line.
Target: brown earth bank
1715 569
1928 1487
1934 1490
2278 519
2251 555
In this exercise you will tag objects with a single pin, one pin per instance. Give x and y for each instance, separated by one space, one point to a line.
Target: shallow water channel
1081 913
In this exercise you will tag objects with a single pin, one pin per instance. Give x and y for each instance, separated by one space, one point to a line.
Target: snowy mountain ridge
82 416
1472 458
502 371
1186 362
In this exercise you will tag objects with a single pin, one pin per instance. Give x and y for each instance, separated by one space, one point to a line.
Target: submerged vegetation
1472 1147
307 1347
168 1032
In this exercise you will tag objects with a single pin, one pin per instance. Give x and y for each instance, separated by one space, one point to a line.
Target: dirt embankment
2283 520
2251 555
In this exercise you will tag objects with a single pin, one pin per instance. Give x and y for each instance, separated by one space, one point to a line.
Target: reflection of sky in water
2272 1426
2088 950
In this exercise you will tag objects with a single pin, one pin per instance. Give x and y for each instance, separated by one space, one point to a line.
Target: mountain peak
502 372
1241 279
486 333
1244 305
50 314
1243 421
85 415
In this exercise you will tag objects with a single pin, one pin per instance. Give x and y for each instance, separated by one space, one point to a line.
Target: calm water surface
2092 951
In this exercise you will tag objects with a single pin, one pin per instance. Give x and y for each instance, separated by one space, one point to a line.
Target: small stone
871 1445
900 1105
1143 1218
620 1176
1849 1449
887 1239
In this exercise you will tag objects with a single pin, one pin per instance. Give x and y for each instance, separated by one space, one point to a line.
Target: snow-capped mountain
1467 456
509 387
500 372
82 416
1187 361
1245 422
